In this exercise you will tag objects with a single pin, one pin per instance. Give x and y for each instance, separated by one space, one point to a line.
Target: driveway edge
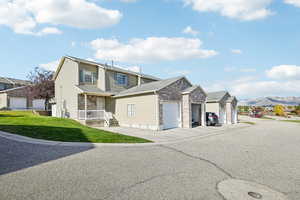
20 138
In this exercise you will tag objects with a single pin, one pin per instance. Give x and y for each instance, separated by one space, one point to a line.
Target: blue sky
250 48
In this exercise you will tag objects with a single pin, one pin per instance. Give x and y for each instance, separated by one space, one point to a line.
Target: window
121 79
2 86
87 76
130 110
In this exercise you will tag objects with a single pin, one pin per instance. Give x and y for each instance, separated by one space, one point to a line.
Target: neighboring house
18 99
14 95
224 105
8 83
100 94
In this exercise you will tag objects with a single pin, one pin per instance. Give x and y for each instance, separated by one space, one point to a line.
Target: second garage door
18 103
171 115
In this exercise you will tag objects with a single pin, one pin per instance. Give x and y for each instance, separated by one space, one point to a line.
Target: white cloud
150 49
249 86
236 51
293 2
190 30
267 88
50 66
49 30
238 9
284 72
23 16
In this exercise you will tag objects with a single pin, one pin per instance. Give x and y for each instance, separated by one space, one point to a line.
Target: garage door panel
171 115
18 103
38 104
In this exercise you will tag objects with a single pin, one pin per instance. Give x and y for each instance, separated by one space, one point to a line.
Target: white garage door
38 104
17 103
171 115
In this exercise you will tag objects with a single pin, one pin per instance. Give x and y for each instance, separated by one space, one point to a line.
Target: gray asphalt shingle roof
190 89
14 81
92 89
216 96
109 67
148 87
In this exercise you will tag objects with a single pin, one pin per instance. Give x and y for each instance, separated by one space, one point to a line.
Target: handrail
95 115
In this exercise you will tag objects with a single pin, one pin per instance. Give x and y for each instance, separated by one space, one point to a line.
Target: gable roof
12 89
231 99
104 66
149 87
192 88
14 81
216 96
92 89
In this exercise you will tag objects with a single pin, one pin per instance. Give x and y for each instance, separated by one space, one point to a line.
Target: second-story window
121 79
88 76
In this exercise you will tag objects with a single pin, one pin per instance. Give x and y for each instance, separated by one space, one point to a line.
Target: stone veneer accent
171 93
197 97
186 111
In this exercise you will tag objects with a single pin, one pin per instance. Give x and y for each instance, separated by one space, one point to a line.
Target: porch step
113 123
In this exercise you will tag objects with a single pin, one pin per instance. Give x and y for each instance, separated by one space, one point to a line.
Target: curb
29 140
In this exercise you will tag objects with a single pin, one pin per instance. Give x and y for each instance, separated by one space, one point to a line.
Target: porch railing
94 115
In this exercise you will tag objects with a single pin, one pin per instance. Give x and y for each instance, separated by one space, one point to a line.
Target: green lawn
57 129
251 123
295 121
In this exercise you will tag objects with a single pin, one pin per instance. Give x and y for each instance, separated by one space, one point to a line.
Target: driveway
176 134
267 155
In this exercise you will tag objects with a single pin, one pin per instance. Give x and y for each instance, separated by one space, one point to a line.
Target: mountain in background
270 101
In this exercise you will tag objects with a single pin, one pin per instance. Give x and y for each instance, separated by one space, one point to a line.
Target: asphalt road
267 153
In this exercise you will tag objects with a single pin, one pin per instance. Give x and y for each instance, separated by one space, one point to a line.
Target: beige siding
111 84
146 115
3 100
101 79
66 94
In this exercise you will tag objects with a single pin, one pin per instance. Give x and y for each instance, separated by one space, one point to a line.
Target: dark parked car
212 119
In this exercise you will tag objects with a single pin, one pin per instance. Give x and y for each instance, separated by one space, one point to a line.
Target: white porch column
85 106
203 114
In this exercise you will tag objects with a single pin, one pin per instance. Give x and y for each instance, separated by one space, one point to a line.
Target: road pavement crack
143 182
199 158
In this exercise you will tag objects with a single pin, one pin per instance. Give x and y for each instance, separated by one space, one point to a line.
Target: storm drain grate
255 195
234 189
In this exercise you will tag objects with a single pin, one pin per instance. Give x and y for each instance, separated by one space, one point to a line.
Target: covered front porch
92 109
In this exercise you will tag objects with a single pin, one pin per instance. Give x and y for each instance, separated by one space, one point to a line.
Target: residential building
224 105
14 95
8 83
102 95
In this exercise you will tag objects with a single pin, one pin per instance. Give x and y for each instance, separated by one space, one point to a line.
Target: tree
279 110
297 109
43 85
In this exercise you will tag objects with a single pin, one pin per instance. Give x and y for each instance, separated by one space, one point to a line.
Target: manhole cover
233 189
